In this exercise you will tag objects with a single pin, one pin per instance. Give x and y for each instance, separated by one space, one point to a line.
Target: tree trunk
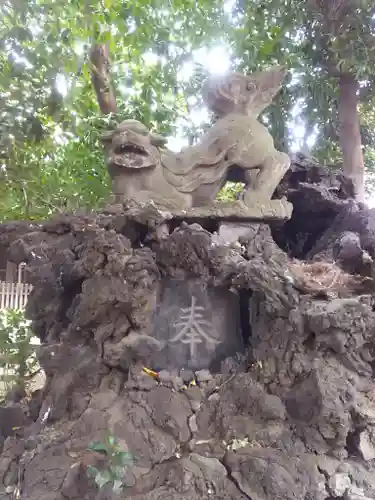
99 58
350 136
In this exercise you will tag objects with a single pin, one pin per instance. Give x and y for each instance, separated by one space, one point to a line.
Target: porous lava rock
292 417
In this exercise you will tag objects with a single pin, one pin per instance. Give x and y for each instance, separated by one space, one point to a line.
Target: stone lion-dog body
143 170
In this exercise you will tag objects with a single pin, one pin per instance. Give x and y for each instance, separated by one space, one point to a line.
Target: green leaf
117 485
98 447
111 440
92 471
125 458
103 478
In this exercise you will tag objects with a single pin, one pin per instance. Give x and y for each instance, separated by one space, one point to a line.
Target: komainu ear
268 83
157 140
106 137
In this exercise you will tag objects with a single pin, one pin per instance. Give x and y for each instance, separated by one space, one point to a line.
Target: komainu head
131 145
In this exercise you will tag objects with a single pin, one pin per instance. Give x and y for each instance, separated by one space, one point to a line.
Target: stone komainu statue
142 169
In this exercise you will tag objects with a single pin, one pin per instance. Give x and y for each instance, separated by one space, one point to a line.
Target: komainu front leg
263 185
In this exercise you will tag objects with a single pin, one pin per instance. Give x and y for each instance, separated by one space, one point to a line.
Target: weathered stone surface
230 232
318 195
266 211
339 484
190 478
198 325
268 473
366 443
12 417
292 417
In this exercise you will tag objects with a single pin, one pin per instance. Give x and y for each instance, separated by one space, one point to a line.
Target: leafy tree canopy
50 120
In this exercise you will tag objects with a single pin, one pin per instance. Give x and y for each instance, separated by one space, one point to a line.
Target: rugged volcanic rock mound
285 411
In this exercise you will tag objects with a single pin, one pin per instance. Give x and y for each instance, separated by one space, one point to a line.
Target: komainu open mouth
130 150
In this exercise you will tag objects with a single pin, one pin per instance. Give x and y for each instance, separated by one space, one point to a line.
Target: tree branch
100 77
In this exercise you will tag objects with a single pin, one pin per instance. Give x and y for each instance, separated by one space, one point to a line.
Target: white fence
14 295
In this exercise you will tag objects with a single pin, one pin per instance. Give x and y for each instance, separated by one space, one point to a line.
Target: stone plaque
199 325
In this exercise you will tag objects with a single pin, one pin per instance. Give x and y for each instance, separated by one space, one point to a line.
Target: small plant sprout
117 461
